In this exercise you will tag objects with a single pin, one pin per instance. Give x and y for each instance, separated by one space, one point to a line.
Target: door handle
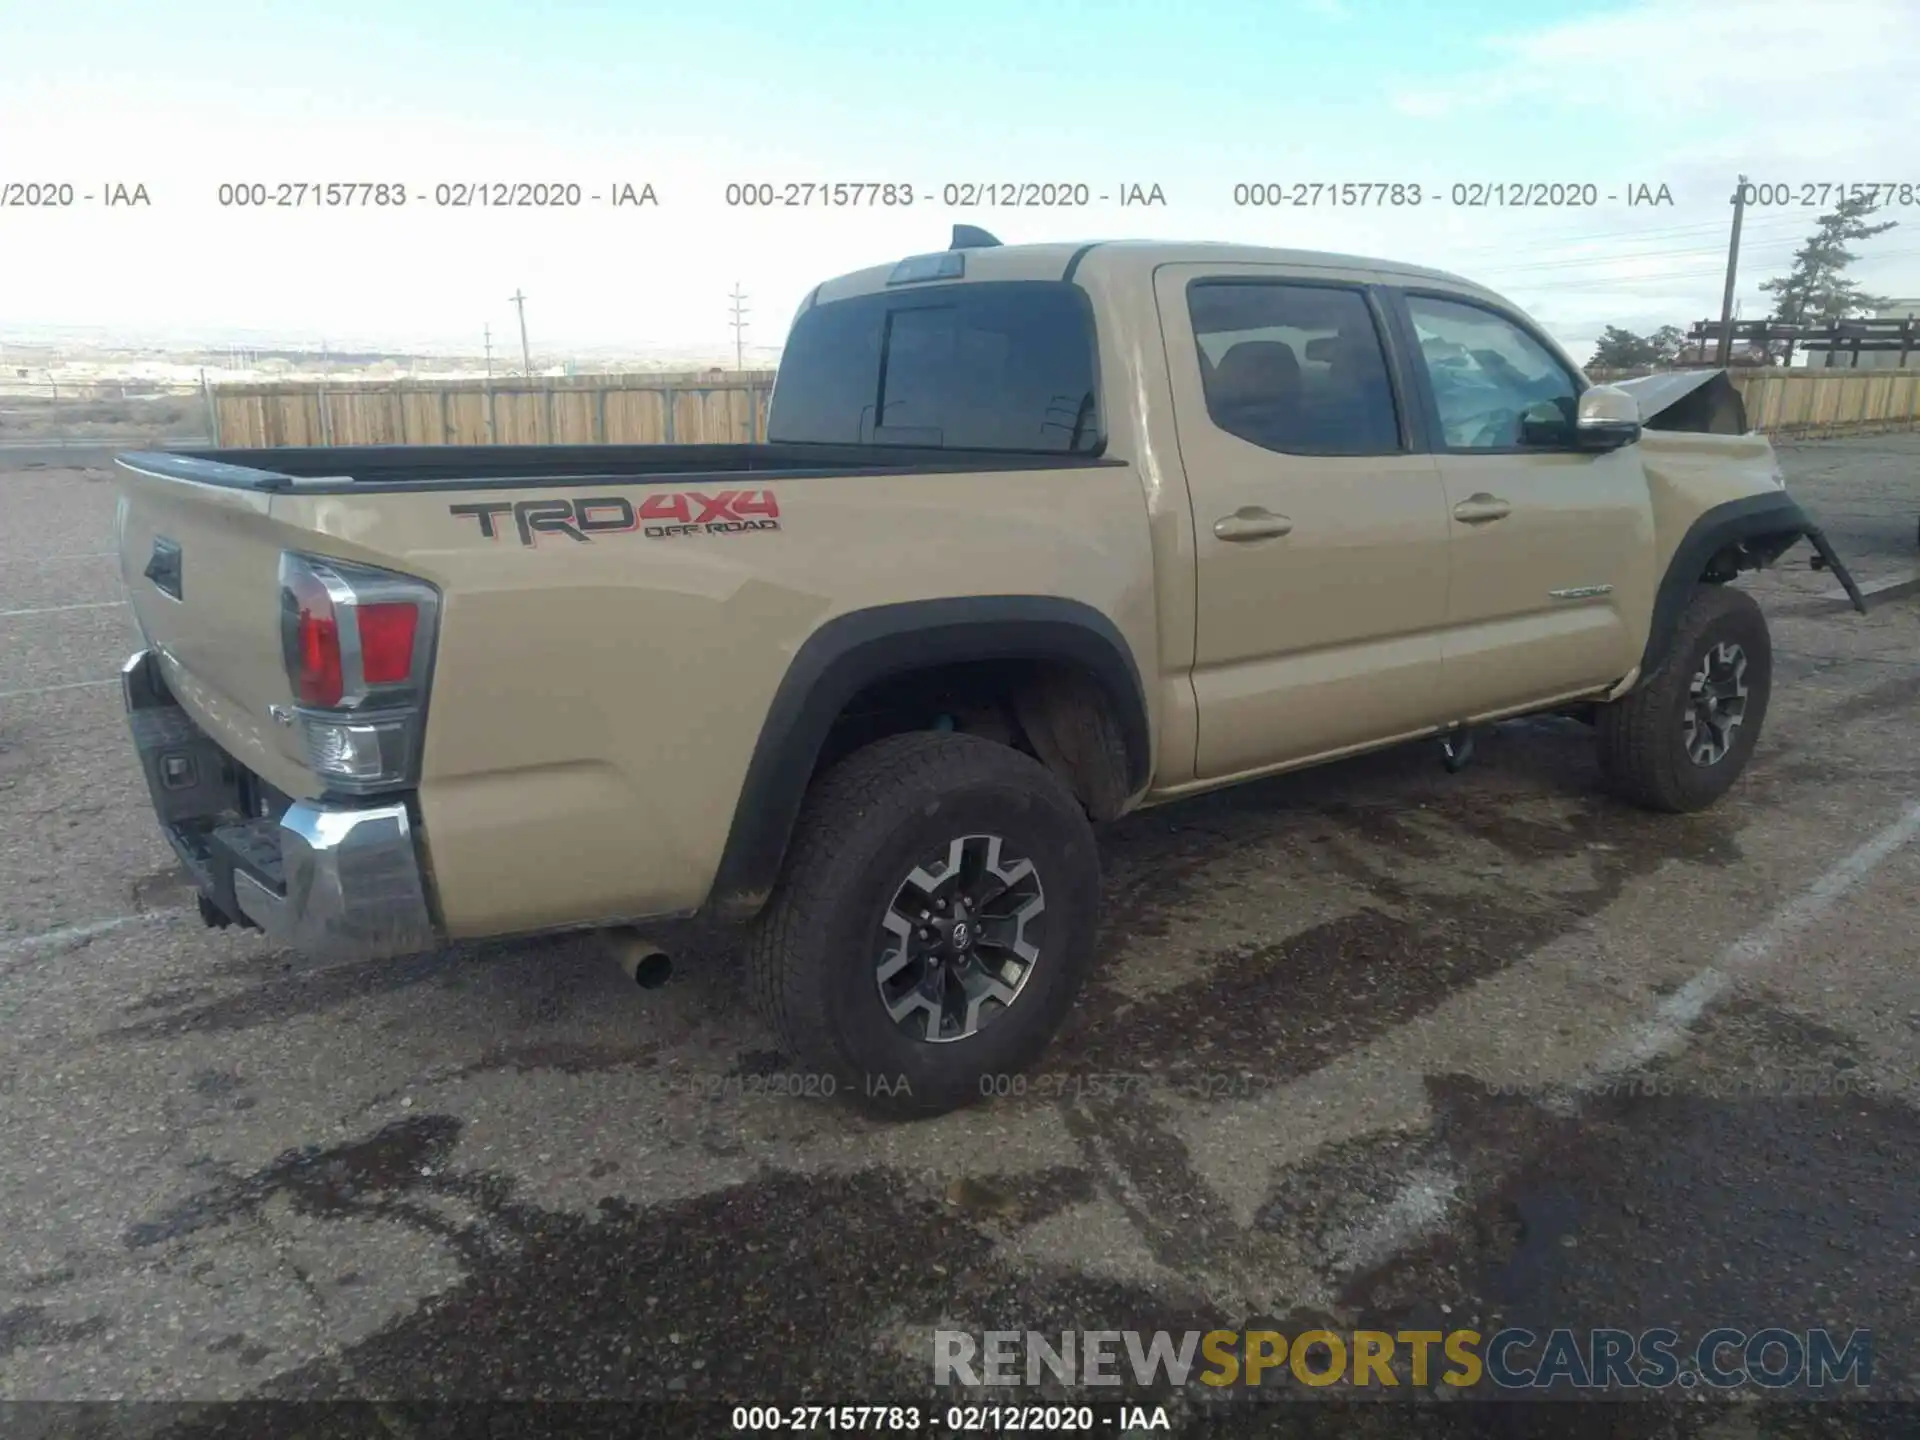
1252 522
1479 509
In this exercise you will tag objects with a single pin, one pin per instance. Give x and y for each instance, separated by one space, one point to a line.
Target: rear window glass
998 365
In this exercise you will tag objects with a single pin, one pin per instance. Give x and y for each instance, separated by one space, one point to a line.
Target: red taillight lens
317 675
386 641
320 681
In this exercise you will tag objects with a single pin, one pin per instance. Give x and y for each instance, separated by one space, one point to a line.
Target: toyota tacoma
1040 534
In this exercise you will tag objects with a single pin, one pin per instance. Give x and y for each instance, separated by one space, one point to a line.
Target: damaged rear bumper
331 880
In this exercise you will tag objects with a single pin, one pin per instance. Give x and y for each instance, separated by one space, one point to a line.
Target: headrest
1256 370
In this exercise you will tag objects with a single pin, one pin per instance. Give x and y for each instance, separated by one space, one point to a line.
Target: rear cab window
992 365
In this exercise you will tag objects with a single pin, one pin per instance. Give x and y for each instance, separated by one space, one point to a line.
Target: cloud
1781 79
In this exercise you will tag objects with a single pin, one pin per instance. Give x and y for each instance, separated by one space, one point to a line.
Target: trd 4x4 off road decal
678 512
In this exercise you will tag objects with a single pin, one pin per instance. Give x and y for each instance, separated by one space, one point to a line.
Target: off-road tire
812 953
1642 736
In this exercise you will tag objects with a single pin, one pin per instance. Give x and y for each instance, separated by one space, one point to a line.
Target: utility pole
739 323
486 332
526 356
1733 266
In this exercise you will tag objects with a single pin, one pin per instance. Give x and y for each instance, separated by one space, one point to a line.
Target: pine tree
1619 349
1816 291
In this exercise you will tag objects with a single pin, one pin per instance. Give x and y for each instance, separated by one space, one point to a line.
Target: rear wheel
933 923
1680 741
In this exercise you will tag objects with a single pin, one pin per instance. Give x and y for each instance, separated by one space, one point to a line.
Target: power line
1885 255
1690 228
1614 251
1574 268
1587 262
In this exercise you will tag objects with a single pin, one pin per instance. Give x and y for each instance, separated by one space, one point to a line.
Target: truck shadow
1377 886
1440 880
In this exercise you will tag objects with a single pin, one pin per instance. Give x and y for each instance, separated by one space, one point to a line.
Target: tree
1620 349
1816 291
1668 341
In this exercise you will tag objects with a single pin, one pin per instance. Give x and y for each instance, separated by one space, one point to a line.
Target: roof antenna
971 237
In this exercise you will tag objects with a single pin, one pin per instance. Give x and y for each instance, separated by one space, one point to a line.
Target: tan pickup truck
1042 534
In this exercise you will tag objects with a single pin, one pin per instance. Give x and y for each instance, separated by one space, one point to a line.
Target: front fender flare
1765 527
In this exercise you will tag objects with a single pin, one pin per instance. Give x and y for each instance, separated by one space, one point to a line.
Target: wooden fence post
213 410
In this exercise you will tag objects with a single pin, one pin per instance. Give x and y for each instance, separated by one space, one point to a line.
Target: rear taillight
387 633
358 645
313 657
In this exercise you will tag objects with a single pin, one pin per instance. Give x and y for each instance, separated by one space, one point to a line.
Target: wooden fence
728 407
1818 402
1829 401
731 407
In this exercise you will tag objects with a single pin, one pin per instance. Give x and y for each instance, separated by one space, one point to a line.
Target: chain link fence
42 412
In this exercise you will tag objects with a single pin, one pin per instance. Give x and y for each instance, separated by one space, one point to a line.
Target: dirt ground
1354 1054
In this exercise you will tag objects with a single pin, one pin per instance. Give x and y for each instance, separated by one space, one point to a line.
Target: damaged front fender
1720 501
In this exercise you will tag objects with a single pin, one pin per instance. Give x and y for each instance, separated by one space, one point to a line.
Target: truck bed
374 468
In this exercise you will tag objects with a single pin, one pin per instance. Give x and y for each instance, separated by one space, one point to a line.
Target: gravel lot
1356 1014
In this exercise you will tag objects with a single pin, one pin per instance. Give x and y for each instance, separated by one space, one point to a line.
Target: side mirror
1608 417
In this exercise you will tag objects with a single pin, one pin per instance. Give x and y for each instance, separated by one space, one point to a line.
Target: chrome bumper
351 883
327 879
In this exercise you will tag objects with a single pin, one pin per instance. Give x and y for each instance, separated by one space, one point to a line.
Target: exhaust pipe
646 964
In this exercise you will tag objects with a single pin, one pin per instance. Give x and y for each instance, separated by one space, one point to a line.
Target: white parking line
61 609
1418 1209
71 934
1669 1023
50 689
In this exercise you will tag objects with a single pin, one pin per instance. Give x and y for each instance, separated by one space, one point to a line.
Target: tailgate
202 563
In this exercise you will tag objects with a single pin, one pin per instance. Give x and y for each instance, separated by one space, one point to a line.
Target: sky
1194 96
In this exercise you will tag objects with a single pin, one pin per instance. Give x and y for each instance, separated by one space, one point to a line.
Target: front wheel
1680 741
933 923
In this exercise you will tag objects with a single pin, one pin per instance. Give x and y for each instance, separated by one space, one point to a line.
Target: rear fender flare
853 651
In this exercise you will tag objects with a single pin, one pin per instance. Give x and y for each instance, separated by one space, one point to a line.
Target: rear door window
1294 367
995 365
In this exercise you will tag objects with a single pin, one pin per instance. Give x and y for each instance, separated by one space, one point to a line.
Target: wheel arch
856 650
1738 535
